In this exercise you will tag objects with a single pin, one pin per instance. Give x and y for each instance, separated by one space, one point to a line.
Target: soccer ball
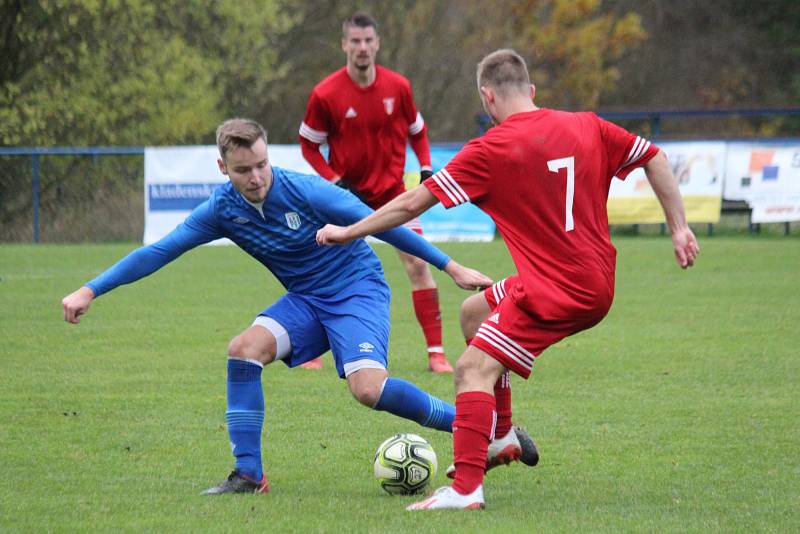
405 464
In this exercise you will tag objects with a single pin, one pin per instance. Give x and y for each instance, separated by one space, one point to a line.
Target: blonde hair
504 71
235 133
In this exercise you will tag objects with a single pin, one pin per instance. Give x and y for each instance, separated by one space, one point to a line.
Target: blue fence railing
655 118
35 154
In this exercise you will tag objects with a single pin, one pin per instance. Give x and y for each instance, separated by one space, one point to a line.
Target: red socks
502 395
426 308
473 428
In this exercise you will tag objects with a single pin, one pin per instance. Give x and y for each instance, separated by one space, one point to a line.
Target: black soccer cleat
530 454
239 483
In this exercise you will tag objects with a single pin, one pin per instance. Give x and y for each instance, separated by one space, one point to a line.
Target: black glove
424 175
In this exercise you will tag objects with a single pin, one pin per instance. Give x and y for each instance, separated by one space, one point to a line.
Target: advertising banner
699 168
462 223
177 179
767 177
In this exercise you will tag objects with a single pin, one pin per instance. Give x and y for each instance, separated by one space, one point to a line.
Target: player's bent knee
253 345
460 373
468 368
367 393
366 386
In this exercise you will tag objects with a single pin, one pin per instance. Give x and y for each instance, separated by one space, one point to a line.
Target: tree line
137 72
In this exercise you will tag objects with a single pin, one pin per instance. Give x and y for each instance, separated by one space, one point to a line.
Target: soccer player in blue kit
337 298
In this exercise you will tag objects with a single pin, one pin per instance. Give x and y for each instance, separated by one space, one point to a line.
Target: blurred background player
543 176
336 299
366 114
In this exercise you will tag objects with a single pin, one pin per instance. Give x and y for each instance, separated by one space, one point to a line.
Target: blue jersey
281 236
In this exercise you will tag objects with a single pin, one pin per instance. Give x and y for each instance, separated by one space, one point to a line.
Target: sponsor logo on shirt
241 220
351 113
292 220
366 347
388 103
495 318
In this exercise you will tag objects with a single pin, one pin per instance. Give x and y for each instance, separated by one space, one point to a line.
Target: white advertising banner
767 177
699 168
177 179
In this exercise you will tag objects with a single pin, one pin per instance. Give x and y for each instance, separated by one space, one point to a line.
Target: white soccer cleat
446 498
501 451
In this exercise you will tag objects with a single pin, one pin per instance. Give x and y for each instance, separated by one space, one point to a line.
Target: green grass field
678 413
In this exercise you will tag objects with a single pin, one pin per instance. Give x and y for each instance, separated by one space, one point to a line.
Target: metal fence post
35 195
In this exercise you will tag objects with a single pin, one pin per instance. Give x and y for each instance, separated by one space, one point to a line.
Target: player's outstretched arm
467 278
76 304
665 186
399 211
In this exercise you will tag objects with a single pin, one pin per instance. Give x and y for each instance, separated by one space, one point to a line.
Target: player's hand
424 175
685 246
330 234
467 278
76 304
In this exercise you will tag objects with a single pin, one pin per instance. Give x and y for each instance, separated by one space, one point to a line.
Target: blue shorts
353 325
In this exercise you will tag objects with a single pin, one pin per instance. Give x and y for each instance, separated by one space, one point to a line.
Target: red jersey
543 176
366 129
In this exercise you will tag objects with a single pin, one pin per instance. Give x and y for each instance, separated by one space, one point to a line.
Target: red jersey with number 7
543 176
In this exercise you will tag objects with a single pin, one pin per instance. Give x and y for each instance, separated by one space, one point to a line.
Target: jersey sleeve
313 133
338 206
625 150
417 129
313 156
316 122
198 228
463 179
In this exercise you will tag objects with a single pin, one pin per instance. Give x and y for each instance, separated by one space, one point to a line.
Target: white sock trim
248 360
380 394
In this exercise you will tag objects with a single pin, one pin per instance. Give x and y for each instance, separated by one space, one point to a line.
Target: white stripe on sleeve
416 127
450 187
636 145
639 149
315 136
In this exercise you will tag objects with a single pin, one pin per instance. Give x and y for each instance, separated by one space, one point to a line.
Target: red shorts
515 338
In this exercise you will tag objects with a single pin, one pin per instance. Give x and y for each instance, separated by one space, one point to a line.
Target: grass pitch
679 412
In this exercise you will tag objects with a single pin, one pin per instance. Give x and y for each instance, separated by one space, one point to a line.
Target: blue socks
245 415
407 400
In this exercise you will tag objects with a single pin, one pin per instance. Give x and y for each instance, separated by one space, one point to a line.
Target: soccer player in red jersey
365 113
543 176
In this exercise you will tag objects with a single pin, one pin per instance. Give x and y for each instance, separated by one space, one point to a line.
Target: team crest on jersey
388 103
241 220
292 220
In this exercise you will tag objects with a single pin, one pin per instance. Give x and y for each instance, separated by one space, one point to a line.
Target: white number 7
566 163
